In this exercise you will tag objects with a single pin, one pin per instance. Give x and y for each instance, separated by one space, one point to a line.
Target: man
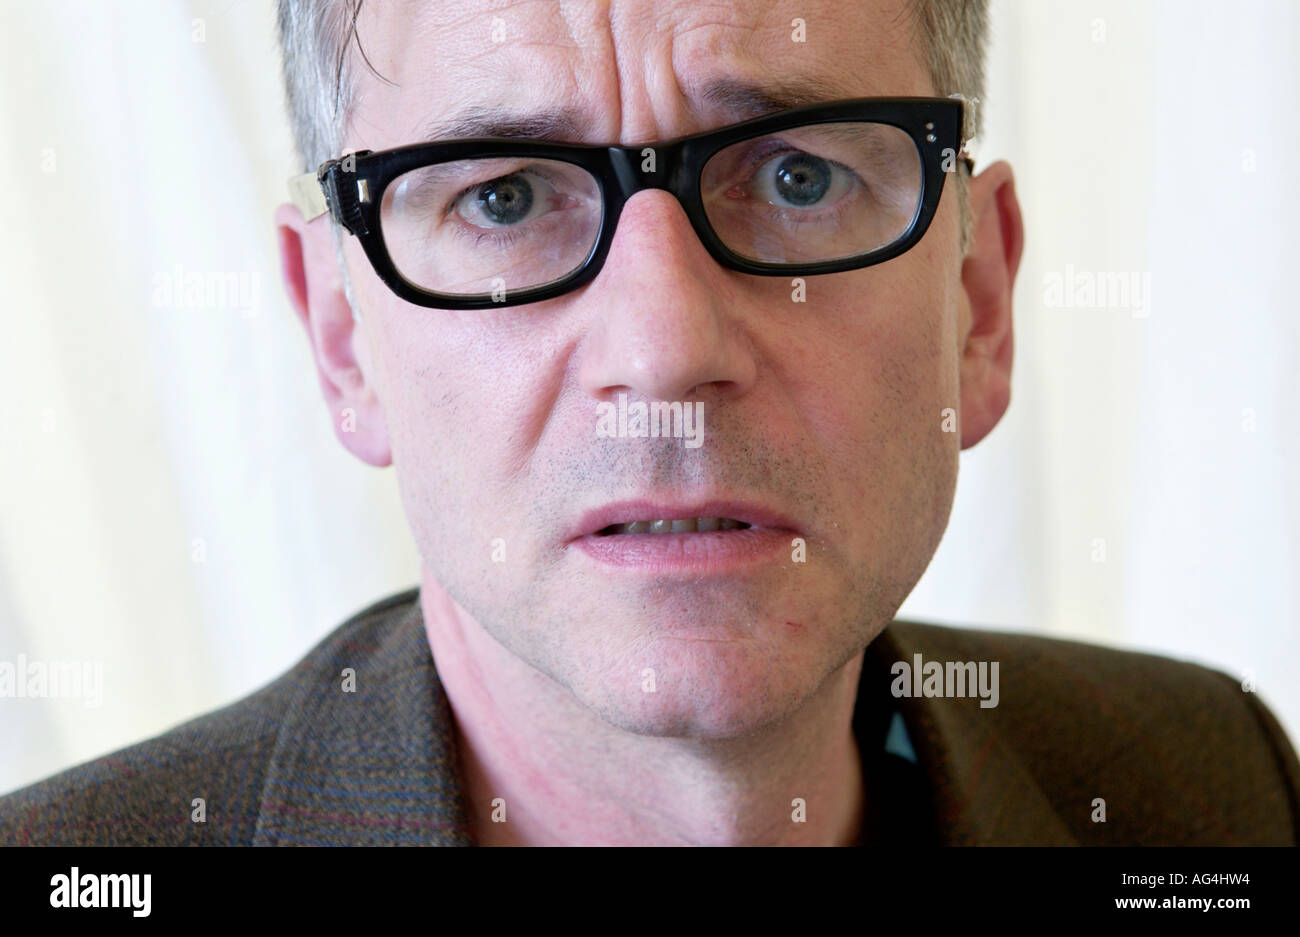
676 426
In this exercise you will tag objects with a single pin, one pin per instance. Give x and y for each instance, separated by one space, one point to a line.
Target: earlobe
309 267
988 278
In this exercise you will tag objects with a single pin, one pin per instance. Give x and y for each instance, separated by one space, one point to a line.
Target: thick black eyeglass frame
351 188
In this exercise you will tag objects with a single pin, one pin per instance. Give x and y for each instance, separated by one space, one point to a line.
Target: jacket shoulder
1179 752
145 794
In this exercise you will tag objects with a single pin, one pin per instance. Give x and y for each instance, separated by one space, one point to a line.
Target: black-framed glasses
487 222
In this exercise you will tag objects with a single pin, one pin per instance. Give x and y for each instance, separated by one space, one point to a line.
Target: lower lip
694 552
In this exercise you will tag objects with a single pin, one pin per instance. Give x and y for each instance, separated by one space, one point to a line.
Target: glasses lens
814 193
474 226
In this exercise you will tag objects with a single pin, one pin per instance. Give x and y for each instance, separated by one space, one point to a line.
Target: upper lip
654 509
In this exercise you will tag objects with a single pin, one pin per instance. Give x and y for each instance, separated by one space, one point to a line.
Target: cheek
891 367
894 370
465 399
429 406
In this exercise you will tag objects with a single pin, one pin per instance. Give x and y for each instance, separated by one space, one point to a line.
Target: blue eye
508 201
802 179
505 201
797 179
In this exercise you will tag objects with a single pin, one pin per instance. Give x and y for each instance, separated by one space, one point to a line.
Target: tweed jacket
1178 753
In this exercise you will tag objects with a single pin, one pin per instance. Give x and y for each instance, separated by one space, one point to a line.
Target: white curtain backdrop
176 514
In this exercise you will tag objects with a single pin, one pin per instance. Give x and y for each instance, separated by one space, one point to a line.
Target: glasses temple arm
306 193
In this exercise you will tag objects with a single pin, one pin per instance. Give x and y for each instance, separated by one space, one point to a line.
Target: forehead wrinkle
464 36
477 12
482 57
729 37
463 44
704 42
732 44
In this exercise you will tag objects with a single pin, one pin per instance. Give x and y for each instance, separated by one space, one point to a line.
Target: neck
539 768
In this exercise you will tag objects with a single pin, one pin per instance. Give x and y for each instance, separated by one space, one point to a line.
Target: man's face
826 413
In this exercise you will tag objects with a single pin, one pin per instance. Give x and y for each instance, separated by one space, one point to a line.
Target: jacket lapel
376 766
980 792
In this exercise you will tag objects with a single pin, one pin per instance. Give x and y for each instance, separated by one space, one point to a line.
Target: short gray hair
319 80
954 37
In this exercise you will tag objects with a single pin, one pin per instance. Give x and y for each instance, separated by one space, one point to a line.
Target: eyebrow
735 99
556 125
745 100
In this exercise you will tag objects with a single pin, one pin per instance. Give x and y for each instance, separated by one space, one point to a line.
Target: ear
988 275
309 265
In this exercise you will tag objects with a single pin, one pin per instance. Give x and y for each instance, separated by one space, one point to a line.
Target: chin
705 690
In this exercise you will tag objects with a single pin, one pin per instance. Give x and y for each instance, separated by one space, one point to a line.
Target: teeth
688 525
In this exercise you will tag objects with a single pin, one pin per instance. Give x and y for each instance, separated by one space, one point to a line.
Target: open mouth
689 525
667 536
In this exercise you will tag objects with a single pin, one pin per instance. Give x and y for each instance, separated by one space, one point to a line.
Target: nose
663 312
